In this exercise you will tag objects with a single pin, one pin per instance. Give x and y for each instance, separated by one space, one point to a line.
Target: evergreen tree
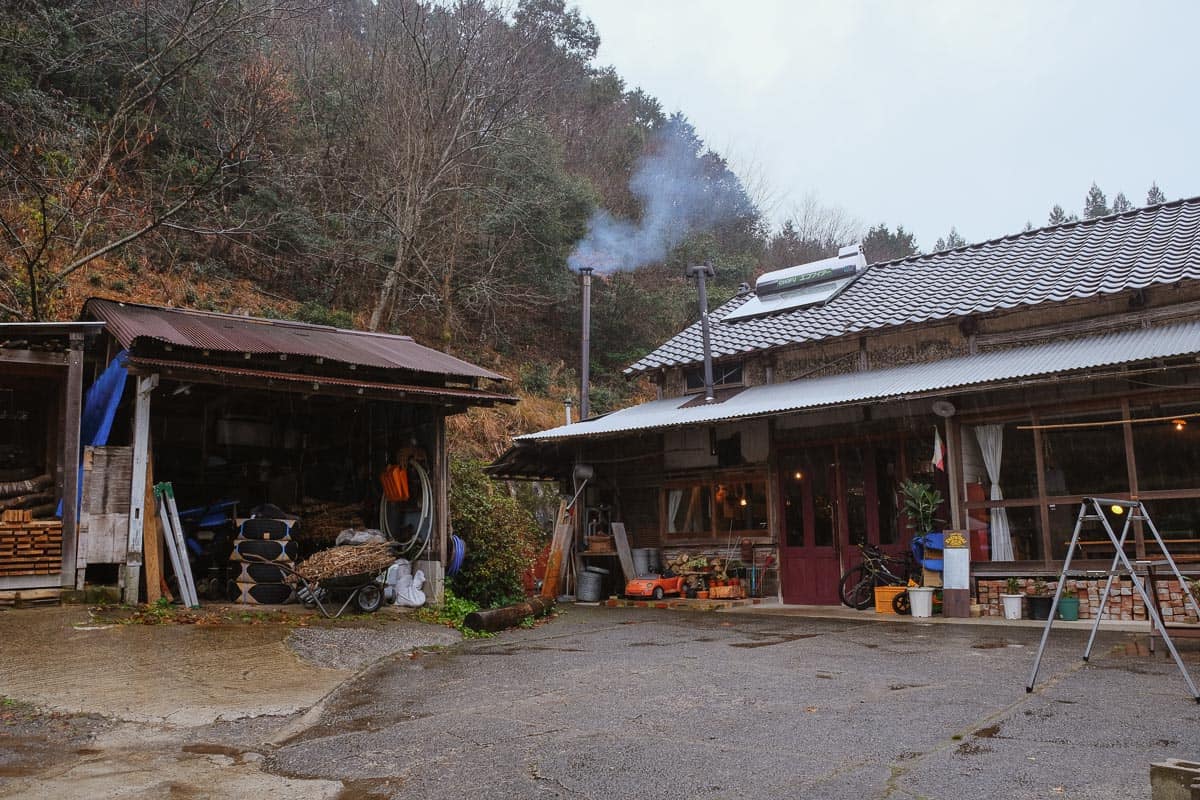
1095 204
1028 225
880 244
1121 204
953 239
1155 195
1057 215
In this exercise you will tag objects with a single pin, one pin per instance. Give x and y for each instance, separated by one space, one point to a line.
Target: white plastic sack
368 536
399 571
408 590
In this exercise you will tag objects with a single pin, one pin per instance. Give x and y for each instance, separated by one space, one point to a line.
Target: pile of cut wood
35 494
28 546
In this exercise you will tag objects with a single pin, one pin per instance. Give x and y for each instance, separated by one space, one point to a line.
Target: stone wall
1124 604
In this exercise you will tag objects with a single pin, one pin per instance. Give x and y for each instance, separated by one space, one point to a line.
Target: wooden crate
726 592
30 548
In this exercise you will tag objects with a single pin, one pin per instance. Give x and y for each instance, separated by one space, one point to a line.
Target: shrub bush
501 536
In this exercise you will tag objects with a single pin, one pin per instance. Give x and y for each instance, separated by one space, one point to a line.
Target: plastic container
1068 608
884 596
1012 605
920 599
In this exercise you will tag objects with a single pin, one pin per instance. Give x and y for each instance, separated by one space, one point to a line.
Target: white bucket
920 599
1012 605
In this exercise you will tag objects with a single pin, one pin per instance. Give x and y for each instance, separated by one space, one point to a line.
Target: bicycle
857 585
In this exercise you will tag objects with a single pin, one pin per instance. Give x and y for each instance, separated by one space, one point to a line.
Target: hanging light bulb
799 475
1118 510
1179 424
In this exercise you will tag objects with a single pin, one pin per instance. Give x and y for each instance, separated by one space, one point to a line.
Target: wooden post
441 489
137 494
70 460
958 515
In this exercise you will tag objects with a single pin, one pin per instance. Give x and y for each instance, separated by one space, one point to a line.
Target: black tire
901 605
278 550
658 593
856 588
265 529
369 598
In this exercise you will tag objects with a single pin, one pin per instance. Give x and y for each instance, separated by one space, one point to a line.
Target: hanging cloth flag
939 453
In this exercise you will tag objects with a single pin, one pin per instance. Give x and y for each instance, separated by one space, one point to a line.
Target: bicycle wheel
856 588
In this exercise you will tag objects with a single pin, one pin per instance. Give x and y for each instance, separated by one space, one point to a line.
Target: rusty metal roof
474 396
207 330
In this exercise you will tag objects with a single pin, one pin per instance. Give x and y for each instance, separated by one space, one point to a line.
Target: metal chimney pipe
585 275
701 272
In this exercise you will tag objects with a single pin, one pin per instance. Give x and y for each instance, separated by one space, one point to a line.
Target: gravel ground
353 648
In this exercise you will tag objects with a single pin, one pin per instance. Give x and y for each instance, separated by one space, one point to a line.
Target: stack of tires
264 551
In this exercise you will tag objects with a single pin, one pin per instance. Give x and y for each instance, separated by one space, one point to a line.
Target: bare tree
117 174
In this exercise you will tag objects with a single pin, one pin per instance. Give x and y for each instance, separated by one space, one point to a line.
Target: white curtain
991 445
674 500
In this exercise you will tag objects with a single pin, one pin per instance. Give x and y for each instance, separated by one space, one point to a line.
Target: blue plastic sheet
100 409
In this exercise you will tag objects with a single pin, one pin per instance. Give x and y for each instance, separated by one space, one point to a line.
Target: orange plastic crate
884 596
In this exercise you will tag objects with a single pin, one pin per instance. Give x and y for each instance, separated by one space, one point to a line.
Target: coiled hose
424 526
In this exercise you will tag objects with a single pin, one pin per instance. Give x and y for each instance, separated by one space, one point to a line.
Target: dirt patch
990 732
372 789
783 639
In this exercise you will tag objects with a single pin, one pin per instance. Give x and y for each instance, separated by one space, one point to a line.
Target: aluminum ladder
1092 509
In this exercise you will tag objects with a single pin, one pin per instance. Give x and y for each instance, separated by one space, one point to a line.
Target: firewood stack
28 546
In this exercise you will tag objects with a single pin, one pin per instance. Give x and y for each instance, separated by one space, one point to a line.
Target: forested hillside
431 168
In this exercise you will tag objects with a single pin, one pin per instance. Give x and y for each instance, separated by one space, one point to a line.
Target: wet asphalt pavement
635 703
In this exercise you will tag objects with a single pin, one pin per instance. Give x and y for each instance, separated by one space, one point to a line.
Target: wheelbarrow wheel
370 598
901 605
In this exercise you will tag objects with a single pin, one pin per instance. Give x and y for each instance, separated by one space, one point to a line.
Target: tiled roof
1154 245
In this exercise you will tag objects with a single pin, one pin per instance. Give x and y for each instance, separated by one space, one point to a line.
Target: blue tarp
100 408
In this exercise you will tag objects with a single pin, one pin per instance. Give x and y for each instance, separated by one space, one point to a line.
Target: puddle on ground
989 645
778 640
971 749
647 644
25 755
897 687
206 749
369 789
990 732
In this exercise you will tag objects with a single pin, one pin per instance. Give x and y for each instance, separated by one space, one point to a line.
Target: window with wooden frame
715 508
723 375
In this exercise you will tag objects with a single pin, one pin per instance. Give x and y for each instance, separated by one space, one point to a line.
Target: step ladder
1092 510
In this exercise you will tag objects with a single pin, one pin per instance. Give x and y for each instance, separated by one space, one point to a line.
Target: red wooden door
834 499
809 546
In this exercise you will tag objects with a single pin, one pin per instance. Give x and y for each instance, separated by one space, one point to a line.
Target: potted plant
921 502
1012 599
1040 601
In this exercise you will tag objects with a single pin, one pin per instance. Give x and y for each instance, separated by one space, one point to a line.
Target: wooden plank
552 583
137 489
621 540
152 540
70 457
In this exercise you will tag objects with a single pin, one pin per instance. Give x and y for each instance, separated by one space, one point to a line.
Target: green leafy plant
1013 586
1040 588
501 536
921 502
452 613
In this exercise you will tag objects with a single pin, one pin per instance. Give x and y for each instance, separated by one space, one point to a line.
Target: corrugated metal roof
206 330
399 389
995 367
1134 250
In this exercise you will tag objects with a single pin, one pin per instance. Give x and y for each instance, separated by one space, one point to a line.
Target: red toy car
654 587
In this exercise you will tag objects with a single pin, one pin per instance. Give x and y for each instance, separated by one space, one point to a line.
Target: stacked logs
35 494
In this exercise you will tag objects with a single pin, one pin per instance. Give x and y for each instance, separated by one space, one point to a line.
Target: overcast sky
931 114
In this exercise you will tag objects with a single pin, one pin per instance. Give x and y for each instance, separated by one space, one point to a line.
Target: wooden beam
137 489
954 461
46 358
1139 533
1039 459
71 459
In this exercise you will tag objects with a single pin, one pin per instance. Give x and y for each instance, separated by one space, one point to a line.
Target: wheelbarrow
364 590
